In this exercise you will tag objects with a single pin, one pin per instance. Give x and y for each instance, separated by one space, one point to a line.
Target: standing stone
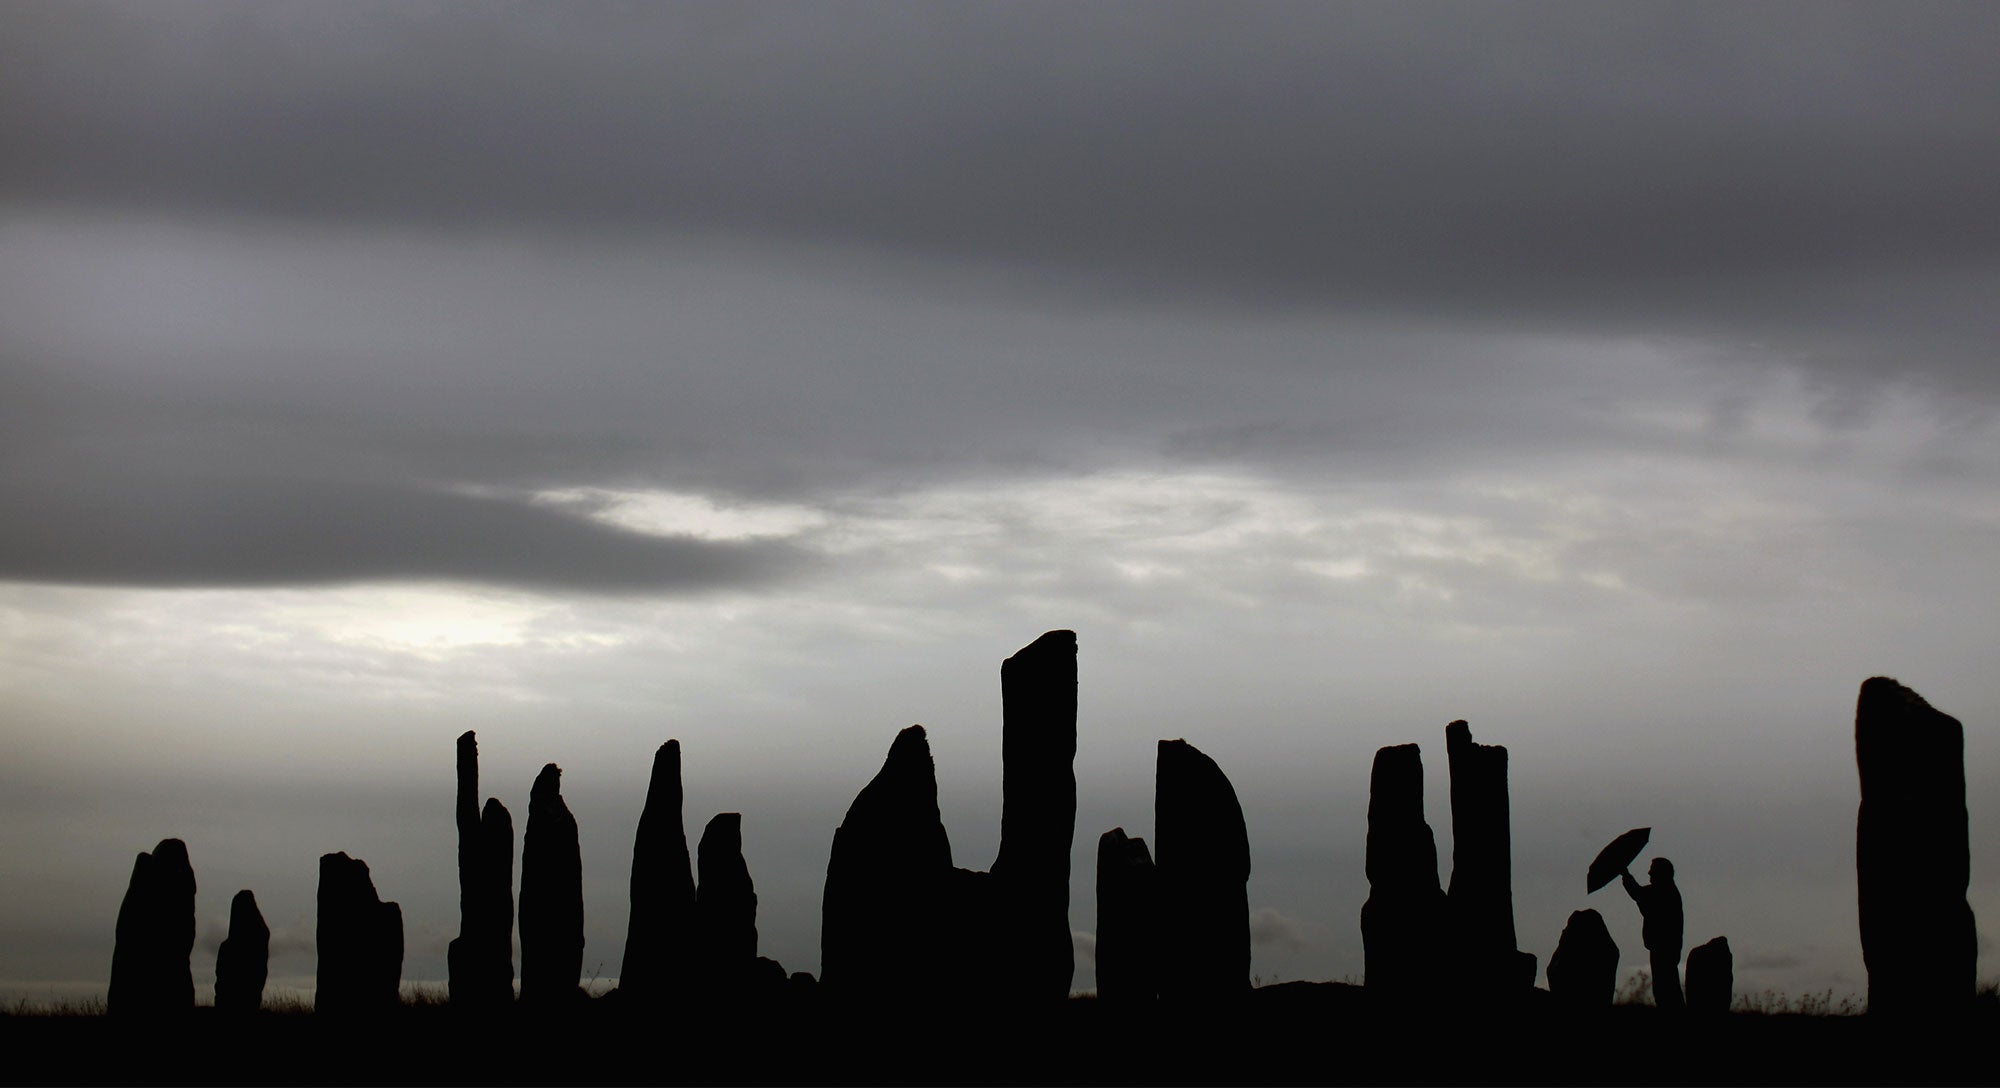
1203 876
1480 900
889 882
1127 920
1402 923
725 910
1035 957
551 896
150 974
481 957
1912 854
657 940
243 962
1711 978
1583 973
360 941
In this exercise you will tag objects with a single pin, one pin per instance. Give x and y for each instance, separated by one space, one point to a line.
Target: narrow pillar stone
657 940
1402 923
481 958
242 963
1127 920
360 941
1203 876
888 882
1481 896
1034 956
150 973
1583 973
1711 978
725 910
551 896
1912 853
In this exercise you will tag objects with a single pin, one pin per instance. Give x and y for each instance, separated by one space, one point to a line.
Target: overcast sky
1619 377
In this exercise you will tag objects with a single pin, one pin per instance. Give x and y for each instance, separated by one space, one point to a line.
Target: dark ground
1296 1033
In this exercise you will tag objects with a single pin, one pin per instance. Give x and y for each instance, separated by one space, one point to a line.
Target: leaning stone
1583 973
1203 875
1034 958
243 962
150 972
359 938
1127 920
1402 923
1711 978
659 935
888 882
551 896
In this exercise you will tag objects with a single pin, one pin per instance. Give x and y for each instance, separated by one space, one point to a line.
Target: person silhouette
1660 905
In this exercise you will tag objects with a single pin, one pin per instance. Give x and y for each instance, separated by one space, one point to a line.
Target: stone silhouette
242 963
1034 958
1660 906
1583 973
551 896
1912 853
889 881
1711 977
1403 921
657 940
481 957
1203 873
150 974
1127 920
725 911
360 940
1480 900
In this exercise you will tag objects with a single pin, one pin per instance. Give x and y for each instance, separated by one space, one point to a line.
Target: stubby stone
725 910
1583 973
360 940
1127 920
1203 873
551 896
1402 923
1481 896
888 882
243 961
481 958
1034 956
150 973
1711 978
1912 853
657 940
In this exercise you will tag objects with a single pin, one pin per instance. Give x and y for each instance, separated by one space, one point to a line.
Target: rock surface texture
360 941
150 974
657 940
1403 934
1034 958
1583 973
889 881
243 962
1203 868
551 896
1912 854
1127 920
1711 978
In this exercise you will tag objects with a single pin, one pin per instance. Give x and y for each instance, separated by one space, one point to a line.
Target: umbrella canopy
1618 856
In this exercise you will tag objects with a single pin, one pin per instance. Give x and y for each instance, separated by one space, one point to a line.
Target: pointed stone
481 958
1583 973
1127 920
551 896
360 941
1402 923
1912 853
242 963
1481 896
150 973
1034 955
888 882
657 940
725 910
1203 875
1711 978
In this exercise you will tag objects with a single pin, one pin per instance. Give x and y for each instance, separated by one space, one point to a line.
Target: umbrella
1618 856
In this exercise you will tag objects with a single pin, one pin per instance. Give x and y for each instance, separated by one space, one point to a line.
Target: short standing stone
243 962
725 910
1583 973
1203 873
551 896
150 973
659 938
889 882
1402 923
1711 977
360 940
1127 926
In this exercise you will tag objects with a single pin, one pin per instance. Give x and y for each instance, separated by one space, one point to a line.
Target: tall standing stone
481 957
242 963
150 973
1203 876
551 896
1912 853
1128 906
1402 923
1481 896
725 909
1711 978
1583 973
657 940
360 941
1035 958
889 882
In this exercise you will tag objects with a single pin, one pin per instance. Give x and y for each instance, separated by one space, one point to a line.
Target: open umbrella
1618 856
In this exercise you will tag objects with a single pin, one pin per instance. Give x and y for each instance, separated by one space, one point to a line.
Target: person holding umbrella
1659 903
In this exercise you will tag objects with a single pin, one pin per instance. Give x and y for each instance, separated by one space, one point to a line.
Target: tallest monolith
659 938
481 958
1480 900
1912 853
1034 960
